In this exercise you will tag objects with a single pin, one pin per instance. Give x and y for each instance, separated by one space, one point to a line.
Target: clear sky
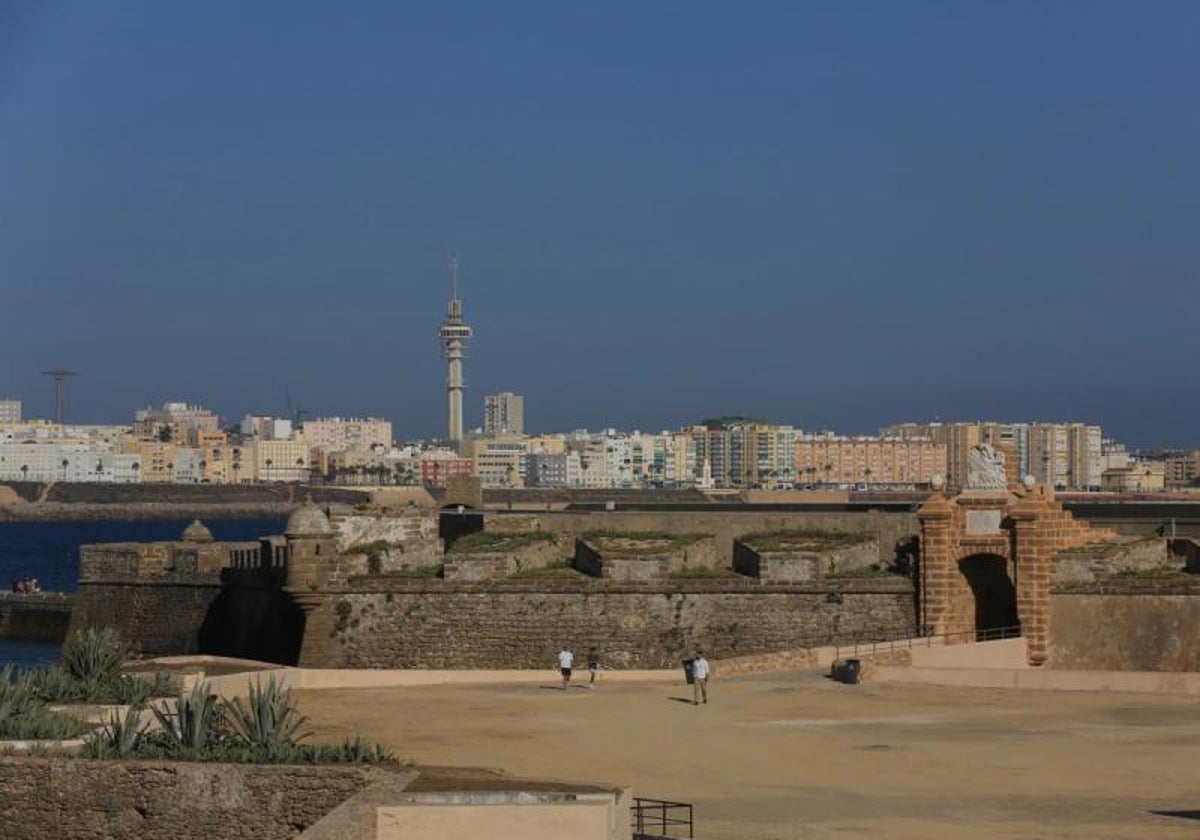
830 214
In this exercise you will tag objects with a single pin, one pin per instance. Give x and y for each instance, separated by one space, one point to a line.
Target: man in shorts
700 672
565 660
593 666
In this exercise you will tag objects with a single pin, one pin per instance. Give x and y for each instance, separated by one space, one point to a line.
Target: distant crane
60 392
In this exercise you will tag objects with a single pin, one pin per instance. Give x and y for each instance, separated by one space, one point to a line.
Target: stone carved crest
985 468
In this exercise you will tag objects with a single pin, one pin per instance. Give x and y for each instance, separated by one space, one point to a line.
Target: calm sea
49 551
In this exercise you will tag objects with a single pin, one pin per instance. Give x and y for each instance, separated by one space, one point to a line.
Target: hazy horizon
835 217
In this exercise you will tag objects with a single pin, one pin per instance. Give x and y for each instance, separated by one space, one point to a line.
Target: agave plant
120 735
16 698
94 656
270 720
193 721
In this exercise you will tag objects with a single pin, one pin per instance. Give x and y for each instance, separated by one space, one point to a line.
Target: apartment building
334 434
871 461
504 414
281 460
10 411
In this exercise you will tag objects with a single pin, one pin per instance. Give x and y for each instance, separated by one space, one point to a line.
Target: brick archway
1022 530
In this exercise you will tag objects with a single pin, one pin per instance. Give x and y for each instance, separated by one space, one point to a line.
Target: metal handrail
989 634
655 817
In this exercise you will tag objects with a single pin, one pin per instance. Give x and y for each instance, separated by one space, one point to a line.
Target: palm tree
65 463
24 471
268 462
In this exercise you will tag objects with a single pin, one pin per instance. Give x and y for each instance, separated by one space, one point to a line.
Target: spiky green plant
269 720
119 737
94 656
193 721
54 684
16 698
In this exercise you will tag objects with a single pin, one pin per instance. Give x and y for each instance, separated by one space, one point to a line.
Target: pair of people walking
700 671
566 661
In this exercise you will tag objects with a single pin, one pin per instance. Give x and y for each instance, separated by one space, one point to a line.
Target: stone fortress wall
361 589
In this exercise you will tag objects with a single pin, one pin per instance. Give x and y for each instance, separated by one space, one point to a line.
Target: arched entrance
994 593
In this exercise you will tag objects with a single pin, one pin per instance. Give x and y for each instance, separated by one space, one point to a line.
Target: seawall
43 617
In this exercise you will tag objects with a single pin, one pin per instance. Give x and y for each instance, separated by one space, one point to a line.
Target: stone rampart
1126 624
521 624
891 529
65 799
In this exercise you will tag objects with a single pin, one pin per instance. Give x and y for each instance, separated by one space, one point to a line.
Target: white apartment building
66 461
10 411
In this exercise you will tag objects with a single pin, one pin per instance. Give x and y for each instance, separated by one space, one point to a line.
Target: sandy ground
798 756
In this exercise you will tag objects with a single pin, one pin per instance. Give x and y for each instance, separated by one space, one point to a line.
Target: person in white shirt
565 660
700 672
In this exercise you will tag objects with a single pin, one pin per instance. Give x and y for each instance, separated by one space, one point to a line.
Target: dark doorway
253 618
453 524
995 595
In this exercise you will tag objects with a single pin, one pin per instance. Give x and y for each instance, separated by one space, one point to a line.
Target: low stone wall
522 624
65 799
497 565
598 559
800 566
1126 624
1093 562
43 617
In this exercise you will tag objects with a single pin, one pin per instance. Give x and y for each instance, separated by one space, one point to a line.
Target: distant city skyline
828 216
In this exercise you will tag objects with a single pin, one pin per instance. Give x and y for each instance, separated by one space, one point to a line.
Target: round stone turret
197 532
308 520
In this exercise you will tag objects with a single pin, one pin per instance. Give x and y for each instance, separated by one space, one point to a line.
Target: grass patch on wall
492 542
770 541
634 543
1151 573
557 571
701 573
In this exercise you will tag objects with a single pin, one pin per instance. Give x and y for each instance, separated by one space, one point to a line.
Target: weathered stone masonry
440 624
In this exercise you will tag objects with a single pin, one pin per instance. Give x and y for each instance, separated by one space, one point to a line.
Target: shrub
269 721
194 720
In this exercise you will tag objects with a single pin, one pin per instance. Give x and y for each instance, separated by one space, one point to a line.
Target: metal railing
990 634
660 818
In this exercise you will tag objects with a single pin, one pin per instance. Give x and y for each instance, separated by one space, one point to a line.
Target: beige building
504 413
499 459
335 434
156 460
1181 469
1138 477
872 461
281 460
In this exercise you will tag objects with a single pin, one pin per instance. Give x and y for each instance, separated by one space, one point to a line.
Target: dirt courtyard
798 756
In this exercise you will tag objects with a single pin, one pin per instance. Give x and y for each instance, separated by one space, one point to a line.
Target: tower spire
454 333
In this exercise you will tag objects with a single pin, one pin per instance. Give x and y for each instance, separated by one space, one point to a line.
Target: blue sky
835 215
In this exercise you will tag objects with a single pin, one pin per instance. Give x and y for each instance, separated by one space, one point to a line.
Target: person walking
565 660
700 672
593 661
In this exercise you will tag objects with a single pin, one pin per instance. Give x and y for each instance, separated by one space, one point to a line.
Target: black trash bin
851 671
688 673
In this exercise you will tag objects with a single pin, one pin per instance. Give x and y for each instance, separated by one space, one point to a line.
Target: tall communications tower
60 392
454 333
